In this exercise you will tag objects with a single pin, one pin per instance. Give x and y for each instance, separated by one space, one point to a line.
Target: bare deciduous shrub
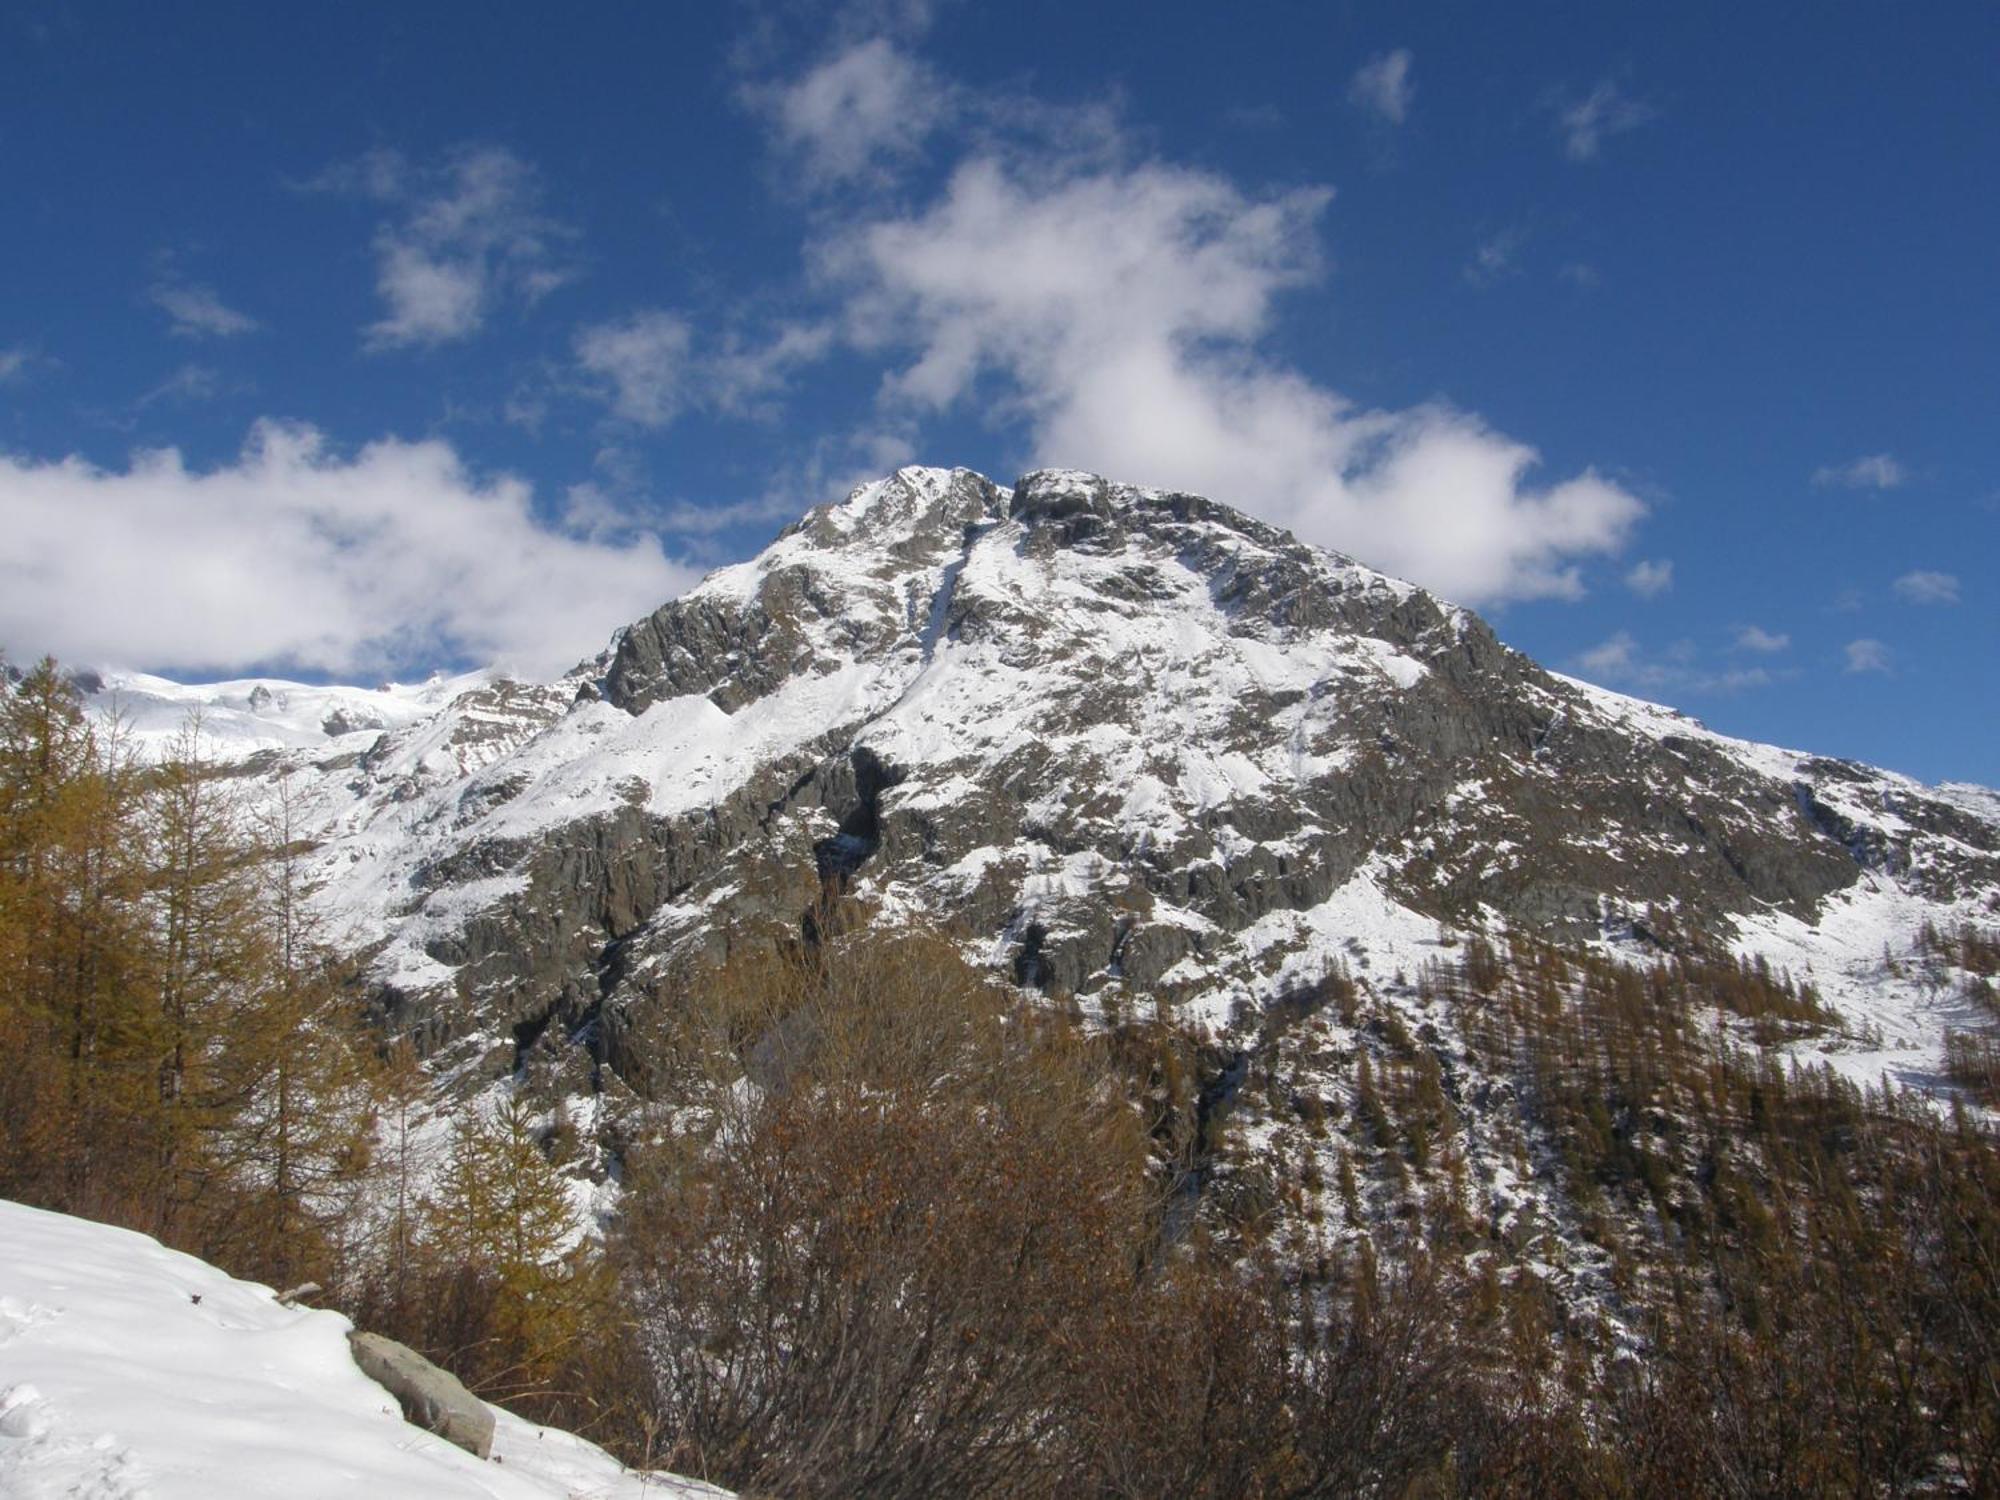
894 1242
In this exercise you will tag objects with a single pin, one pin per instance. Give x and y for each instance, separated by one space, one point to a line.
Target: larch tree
501 1226
300 1139
215 955
73 936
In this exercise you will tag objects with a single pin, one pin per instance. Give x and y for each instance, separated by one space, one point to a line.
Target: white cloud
1605 111
1115 312
1875 471
1756 638
23 362
1866 655
189 383
649 366
685 518
295 555
743 372
432 299
1611 660
1621 662
830 466
469 232
526 408
1925 587
199 312
1382 86
641 362
867 106
1650 579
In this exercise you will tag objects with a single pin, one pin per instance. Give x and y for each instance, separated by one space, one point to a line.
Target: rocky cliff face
1134 747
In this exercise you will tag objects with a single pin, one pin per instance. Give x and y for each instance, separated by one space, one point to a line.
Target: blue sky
374 339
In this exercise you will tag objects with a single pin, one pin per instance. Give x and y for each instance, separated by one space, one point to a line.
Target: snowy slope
129 1370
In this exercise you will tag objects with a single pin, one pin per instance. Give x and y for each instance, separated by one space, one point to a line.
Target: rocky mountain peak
1133 744
909 511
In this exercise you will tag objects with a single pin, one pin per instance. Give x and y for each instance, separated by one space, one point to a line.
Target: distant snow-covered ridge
245 715
131 1370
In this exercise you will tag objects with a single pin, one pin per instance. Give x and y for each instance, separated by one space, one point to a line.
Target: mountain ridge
1131 743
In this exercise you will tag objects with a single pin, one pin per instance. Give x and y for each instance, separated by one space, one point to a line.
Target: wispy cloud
190 382
1621 662
1921 586
1764 642
1382 86
1868 655
1496 257
198 311
14 364
684 518
1613 659
1873 471
651 365
1649 579
641 364
866 108
468 232
526 407
832 465
1261 116
743 372
1605 111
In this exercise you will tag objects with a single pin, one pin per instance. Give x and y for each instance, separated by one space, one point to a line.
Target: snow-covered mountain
130 1370
250 714
1134 747
1152 758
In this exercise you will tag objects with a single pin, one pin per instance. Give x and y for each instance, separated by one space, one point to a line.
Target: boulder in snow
432 1398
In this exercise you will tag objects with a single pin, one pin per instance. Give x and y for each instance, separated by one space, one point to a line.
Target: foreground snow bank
130 1370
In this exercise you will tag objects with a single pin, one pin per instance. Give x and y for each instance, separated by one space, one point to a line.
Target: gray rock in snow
431 1398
